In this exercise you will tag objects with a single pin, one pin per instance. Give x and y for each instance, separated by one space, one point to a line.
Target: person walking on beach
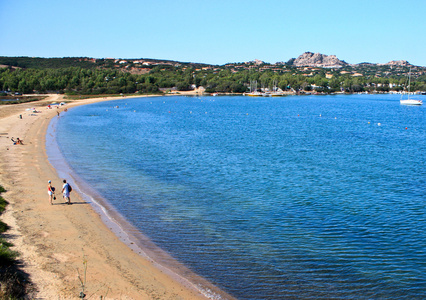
51 192
66 190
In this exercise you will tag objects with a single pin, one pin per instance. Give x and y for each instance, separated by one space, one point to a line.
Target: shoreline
57 241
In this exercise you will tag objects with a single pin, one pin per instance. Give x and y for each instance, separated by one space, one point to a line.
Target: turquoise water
268 198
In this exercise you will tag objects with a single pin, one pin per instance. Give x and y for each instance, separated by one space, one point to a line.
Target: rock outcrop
402 63
318 60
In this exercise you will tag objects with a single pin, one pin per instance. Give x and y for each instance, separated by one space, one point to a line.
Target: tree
23 87
238 88
183 86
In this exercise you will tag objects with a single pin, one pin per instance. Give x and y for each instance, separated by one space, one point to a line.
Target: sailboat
253 90
276 91
409 101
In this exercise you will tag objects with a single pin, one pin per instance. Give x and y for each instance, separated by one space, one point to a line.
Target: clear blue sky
215 32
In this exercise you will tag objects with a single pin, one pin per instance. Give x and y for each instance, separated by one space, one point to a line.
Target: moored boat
409 101
254 94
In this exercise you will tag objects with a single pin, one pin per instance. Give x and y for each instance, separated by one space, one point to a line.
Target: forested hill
82 62
46 63
111 76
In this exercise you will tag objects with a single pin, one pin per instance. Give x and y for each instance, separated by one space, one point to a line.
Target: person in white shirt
66 190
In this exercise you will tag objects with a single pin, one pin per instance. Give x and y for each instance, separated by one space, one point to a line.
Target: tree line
93 81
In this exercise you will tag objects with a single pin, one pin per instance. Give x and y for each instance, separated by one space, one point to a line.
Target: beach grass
7 256
3 202
13 281
3 227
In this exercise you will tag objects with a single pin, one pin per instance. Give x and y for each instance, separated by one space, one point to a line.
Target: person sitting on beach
18 141
66 190
51 192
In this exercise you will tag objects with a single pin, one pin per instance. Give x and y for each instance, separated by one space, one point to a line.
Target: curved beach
57 241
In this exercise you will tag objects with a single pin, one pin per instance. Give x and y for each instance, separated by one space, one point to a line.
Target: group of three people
66 190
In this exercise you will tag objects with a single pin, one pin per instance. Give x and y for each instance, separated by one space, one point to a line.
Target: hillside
84 62
309 72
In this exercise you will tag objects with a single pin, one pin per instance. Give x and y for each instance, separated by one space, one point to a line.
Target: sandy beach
57 241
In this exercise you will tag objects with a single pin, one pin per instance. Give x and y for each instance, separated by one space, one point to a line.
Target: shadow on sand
72 203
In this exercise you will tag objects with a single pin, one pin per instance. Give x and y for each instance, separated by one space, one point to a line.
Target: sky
215 32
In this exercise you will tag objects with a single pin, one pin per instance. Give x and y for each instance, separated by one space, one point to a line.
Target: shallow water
268 198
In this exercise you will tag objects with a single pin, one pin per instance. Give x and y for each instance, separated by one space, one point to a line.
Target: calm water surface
268 198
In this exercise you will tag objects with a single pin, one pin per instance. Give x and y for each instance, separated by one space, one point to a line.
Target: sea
297 197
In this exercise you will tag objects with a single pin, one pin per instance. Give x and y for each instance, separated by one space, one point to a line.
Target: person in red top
50 191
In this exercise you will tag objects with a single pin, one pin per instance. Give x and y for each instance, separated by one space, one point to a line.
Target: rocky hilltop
309 59
318 60
403 63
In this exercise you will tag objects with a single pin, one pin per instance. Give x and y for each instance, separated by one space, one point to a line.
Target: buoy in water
406 128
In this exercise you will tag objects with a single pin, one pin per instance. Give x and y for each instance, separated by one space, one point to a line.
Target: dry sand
56 240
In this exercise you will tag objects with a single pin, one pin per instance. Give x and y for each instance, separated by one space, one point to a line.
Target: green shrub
7 256
3 204
13 281
4 227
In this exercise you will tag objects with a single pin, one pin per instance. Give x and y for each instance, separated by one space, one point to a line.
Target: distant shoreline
99 98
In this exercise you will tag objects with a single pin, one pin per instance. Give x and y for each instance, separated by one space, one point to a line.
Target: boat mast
409 82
